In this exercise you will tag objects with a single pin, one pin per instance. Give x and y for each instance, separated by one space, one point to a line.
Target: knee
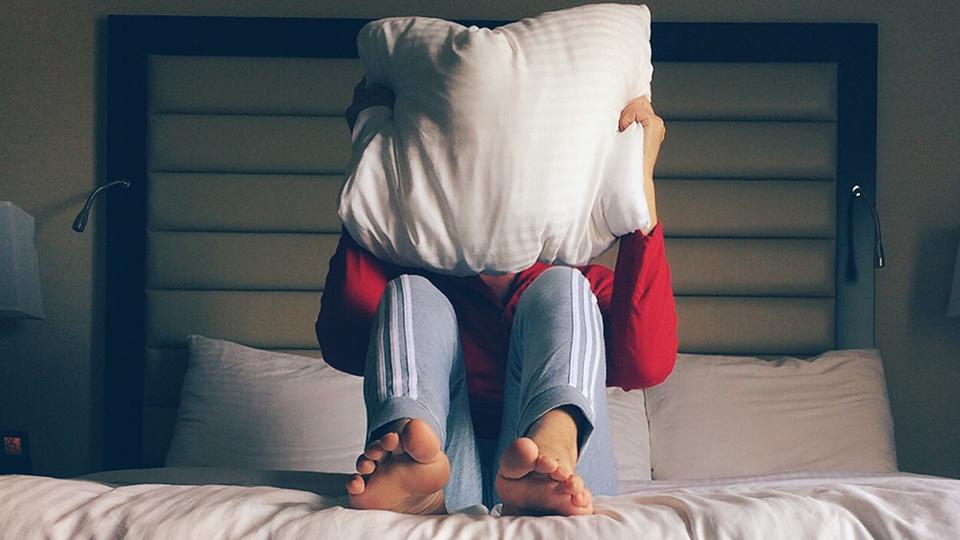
558 279
413 282
417 291
413 286
553 288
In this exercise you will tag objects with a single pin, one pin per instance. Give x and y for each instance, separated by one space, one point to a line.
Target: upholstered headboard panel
244 157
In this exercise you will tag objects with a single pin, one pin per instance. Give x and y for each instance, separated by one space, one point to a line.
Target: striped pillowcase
502 148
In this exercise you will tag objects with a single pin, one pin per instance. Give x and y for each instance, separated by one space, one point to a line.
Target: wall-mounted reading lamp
879 260
80 222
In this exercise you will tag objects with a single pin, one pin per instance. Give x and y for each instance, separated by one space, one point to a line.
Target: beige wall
51 90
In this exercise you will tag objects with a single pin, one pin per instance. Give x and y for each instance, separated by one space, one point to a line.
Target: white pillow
630 434
251 409
247 408
503 146
721 416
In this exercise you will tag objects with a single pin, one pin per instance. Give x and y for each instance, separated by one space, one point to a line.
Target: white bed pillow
630 434
721 416
503 146
252 409
246 408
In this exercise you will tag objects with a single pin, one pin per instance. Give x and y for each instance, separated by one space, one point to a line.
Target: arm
355 283
654 132
641 311
639 315
642 329
356 279
366 97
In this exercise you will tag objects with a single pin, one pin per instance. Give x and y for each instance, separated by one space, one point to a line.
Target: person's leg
555 388
415 370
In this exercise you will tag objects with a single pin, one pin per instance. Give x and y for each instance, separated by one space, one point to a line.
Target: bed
232 135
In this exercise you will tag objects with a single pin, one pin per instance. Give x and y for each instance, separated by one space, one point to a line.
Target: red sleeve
639 312
355 282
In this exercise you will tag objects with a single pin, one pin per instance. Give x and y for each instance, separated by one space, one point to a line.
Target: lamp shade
19 271
954 309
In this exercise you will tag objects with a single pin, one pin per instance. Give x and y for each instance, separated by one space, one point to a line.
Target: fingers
632 113
647 117
367 94
629 113
639 111
641 102
639 115
627 116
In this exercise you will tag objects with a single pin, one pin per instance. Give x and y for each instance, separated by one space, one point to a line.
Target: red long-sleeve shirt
636 302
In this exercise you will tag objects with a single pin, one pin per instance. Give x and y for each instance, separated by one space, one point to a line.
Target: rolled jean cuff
550 399
401 407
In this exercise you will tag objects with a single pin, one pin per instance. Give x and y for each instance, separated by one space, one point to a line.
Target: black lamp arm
80 222
879 259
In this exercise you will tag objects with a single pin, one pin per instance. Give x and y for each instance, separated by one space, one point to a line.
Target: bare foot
537 475
404 471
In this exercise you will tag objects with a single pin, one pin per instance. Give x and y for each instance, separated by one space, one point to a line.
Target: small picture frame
15 453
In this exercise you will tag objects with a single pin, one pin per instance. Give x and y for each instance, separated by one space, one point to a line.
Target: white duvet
774 507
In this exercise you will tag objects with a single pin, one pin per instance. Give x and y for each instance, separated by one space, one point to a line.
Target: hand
366 95
640 110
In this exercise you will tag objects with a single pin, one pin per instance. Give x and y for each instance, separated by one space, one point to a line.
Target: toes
374 451
573 485
519 459
366 466
355 485
378 450
582 499
390 441
546 465
562 474
420 442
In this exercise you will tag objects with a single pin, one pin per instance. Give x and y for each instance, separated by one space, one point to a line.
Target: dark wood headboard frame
132 38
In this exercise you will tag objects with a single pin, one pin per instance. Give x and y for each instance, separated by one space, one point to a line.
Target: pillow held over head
503 146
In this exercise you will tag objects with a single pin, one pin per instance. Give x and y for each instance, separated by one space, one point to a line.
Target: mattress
220 503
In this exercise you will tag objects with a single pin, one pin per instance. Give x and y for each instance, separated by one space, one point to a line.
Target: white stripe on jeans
395 345
573 366
585 313
597 349
408 337
382 355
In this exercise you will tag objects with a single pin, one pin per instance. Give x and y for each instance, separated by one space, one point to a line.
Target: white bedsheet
774 507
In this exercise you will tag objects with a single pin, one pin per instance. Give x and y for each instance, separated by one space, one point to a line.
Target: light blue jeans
414 369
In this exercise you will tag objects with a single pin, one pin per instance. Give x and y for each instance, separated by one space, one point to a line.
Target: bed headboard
231 132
